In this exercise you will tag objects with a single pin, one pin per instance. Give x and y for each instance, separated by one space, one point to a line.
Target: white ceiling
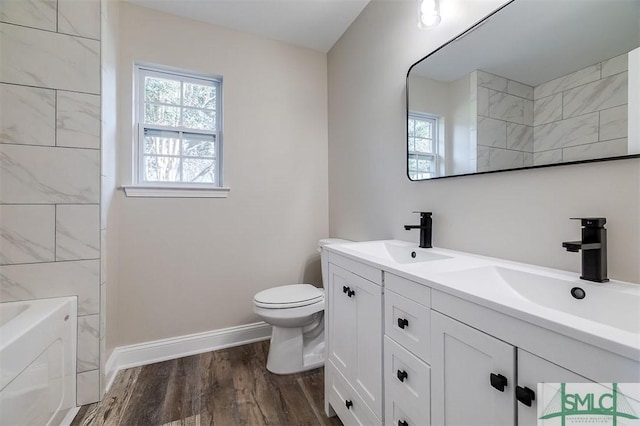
316 24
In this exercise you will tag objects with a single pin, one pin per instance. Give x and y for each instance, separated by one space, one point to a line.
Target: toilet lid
289 296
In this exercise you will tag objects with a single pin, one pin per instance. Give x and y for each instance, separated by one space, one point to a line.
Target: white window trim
140 188
436 154
169 191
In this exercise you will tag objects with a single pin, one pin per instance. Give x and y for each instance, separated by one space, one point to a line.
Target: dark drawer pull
402 375
402 323
498 381
347 290
349 404
402 423
525 395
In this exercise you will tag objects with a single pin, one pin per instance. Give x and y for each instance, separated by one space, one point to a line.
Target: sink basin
615 304
395 251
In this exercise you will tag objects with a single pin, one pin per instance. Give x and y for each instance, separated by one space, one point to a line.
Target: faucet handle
428 214
591 222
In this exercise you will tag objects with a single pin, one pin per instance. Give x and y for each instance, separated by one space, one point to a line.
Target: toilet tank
325 265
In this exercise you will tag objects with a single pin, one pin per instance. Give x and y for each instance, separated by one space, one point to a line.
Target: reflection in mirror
538 83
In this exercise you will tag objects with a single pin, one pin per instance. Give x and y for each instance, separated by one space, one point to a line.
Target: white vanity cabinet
353 371
404 352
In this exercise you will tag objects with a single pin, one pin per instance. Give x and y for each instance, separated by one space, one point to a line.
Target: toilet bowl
296 314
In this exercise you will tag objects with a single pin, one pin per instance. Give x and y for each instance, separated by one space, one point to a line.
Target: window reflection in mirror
538 83
422 131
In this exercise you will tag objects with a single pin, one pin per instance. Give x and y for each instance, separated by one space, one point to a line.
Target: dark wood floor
226 387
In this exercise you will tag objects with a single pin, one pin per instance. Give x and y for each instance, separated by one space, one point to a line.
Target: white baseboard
176 347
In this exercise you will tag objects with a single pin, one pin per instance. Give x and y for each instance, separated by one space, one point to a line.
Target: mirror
537 83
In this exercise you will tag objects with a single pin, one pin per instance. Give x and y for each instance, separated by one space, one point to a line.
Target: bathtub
37 361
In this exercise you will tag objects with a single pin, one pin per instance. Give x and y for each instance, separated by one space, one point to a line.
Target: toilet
296 314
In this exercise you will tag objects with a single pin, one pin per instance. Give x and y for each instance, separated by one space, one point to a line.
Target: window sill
174 192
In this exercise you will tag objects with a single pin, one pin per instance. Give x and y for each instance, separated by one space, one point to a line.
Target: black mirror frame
541 166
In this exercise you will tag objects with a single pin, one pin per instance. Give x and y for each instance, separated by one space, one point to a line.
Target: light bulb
429 14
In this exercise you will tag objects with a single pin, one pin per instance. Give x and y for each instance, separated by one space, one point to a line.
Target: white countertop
608 317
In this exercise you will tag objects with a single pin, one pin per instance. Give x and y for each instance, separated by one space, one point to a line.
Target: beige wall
521 215
192 265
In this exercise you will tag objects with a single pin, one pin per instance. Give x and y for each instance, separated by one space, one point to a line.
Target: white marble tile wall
77 231
613 123
28 115
79 17
505 123
611 148
582 115
547 110
569 81
77 120
501 159
40 14
88 343
54 279
46 59
50 163
492 132
573 131
47 175
27 234
88 387
483 158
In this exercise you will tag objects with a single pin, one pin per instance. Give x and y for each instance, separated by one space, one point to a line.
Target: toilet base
291 351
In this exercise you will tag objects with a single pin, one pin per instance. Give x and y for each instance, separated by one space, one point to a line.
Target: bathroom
159 277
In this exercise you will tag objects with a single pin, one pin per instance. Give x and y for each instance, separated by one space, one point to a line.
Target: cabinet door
533 370
367 379
355 333
463 360
341 311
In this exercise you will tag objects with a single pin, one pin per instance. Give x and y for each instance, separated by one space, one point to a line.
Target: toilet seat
288 296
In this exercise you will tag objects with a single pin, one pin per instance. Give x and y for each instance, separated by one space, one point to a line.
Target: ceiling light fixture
429 14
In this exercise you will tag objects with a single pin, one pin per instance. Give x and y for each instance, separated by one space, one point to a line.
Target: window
422 146
179 139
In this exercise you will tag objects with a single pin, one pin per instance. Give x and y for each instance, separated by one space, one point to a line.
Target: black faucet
594 249
425 229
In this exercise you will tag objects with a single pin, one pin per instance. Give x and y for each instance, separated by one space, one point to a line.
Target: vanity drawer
408 323
395 415
342 394
365 271
407 386
407 288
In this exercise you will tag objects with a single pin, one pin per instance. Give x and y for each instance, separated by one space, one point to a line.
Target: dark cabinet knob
347 290
349 404
402 322
525 395
402 375
402 423
498 381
